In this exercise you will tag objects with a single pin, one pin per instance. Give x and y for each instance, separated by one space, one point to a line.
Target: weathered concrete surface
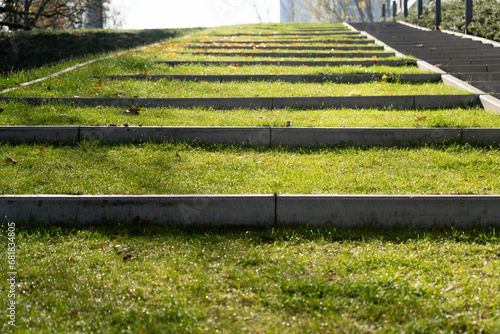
419 211
39 133
491 103
486 137
394 63
338 78
208 135
397 137
446 101
398 102
208 210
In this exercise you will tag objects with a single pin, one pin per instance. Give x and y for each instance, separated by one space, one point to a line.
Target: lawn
182 168
147 279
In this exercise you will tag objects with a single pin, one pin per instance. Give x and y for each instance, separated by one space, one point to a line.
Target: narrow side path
463 58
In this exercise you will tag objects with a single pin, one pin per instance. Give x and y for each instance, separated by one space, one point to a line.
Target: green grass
69 86
127 64
168 168
150 279
18 113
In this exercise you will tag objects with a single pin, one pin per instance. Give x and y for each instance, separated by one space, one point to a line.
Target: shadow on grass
297 234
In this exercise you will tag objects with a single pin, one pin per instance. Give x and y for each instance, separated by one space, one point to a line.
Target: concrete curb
296 54
386 211
341 78
419 211
292 136
393 101
368 62
213 210
71 68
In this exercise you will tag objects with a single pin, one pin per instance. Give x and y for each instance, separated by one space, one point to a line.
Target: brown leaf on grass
10 160
354 92
1 109
421 118
125 125
126 257
178 155
41 148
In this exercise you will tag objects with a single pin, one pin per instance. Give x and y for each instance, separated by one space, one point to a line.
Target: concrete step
464 61
392 101
269 47
478 76
487 86
471 68
384 211
303 41
294 63
298 54
265 136
341 78
340 33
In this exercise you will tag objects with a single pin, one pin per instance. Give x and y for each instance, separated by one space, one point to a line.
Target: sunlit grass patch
168 168
69 86
18 113
201 279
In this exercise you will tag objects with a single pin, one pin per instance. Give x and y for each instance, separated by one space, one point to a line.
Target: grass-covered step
320 102
17 113
95 87
198 69
208 279
90 167
334 78
369 62
344 41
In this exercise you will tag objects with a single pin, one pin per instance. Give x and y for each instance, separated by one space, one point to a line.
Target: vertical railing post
383 12
405 8
394 10
438 14
468 15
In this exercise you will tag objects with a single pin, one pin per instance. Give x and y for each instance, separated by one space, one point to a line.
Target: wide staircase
310 94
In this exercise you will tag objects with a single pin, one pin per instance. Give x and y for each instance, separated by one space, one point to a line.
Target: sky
149 14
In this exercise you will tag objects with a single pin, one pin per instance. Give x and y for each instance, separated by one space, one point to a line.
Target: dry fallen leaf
41 148
1 109
354 92
9 159
384 77
177 155
422 118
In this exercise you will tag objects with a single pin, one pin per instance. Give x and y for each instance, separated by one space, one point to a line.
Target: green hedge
22 50
485 23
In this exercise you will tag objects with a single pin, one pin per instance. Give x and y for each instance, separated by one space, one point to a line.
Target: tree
50 14
343 10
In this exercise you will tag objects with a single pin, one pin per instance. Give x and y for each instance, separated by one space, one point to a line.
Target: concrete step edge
416 211
265 136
